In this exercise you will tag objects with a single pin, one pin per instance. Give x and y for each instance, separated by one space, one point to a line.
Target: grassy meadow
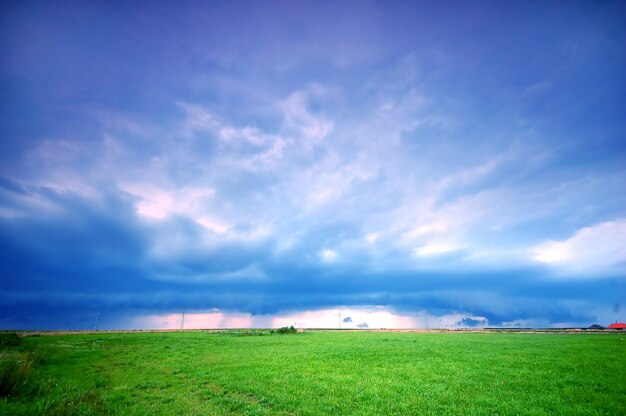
313 373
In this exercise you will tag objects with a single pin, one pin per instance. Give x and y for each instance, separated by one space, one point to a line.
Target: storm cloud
225 159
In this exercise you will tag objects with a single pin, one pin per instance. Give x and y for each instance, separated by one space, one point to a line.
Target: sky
354 164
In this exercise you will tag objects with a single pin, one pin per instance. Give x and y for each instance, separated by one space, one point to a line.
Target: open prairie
256 372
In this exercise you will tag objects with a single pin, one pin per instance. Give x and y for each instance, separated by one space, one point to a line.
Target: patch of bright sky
344 318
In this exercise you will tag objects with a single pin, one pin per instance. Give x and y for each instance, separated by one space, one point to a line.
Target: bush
9 339
286 330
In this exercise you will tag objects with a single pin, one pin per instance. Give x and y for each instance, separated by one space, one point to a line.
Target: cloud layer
255 168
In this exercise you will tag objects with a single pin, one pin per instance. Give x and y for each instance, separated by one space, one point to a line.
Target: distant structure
596 326
618 325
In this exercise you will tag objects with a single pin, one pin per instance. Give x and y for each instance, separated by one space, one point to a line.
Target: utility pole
182 321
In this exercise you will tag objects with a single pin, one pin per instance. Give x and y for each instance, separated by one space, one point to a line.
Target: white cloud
198 119
328 255
158 202
212 225
56 152
435 248
474 174
371 238
426 229
298 117
596 249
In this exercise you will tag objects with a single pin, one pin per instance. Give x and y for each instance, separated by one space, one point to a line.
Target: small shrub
286 330
9 339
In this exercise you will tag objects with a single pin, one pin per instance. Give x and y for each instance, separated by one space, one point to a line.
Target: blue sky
369 164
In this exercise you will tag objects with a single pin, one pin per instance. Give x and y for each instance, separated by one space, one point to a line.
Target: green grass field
315 373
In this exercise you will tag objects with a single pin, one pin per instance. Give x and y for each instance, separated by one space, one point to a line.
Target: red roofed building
617 325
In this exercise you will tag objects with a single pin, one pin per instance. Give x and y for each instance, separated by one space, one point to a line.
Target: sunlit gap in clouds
336 318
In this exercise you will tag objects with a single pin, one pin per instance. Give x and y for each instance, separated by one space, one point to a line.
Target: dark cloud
91 256
469 322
